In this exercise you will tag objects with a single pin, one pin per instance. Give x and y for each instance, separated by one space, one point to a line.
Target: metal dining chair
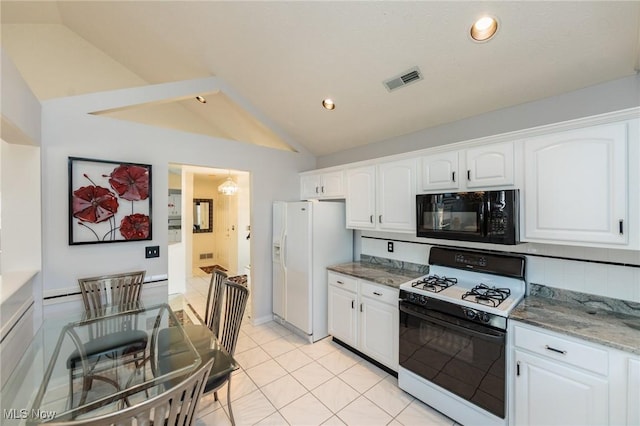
174 407
236 297
109 340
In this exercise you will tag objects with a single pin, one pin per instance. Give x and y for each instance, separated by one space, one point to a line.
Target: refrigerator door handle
283 251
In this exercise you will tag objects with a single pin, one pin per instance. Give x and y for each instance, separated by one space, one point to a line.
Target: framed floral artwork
109 201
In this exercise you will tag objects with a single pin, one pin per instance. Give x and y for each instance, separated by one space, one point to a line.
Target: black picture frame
109 201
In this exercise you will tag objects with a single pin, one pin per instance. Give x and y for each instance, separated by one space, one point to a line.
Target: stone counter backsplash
587 300
394 264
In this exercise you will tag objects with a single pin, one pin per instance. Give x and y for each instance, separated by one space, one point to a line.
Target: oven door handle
496 335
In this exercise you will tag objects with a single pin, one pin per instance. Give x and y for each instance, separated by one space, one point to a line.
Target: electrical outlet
390 246
152 251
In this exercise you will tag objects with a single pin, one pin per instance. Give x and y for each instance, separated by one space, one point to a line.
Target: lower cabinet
365 316
561 380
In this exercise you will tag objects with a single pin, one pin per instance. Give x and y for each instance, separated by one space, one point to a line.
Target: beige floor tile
252 357
362 377
277 347
312 375
333 421
419 413
388 396
283 391
318 349
251 408
217 417
335 394
273 420
291 361
337 362
266 372
241 385
306 410
363 412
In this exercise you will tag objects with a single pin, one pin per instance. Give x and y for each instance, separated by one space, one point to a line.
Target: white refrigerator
308 236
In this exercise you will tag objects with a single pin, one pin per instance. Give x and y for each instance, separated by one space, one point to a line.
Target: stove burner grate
486 295
435 283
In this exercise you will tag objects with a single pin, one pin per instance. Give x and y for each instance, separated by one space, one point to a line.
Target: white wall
69 131
607 97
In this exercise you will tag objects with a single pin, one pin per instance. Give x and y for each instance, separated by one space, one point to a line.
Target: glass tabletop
98 364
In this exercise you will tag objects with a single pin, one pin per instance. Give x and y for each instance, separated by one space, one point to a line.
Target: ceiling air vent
410 76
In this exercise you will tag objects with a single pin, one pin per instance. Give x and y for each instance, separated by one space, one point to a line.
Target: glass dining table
69 372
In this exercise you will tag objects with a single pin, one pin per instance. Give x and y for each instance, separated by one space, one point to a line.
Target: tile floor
284 380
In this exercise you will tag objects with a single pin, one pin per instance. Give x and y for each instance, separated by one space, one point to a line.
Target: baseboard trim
368 358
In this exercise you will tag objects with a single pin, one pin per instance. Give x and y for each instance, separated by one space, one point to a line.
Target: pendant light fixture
228 187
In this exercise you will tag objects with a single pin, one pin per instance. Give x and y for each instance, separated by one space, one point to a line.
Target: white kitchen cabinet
575 188
476 167
633 391
382 196
322 185
365 316
548 393
490 165
561 380
342 313
440 171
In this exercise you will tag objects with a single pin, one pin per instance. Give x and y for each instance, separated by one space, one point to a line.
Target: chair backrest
118 289
235 304
175 406
214 301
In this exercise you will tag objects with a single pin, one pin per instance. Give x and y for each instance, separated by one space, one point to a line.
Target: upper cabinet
478 167
575 187
322 185
382 196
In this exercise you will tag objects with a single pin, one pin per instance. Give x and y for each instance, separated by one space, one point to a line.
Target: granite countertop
387 274
606 327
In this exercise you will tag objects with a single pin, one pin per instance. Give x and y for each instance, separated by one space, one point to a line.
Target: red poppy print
135 227
130 182
94 204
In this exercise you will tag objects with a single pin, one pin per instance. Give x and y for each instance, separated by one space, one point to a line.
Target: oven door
465 358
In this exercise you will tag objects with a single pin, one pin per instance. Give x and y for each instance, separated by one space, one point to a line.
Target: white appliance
308 236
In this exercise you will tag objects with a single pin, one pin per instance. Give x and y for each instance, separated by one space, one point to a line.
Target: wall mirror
202 215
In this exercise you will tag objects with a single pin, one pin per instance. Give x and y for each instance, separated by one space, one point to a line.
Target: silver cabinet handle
353 304
558 351
322 189
361 307
340 282
371 218
380 218
377 294
621 226
468 174
316 189
453 176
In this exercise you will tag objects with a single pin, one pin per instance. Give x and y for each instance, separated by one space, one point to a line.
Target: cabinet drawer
573 353
380 292
343 281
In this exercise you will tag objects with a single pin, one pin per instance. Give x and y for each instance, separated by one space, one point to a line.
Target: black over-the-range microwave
483 216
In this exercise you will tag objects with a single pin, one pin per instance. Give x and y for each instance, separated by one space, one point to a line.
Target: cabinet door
342 315
440 171
576 186
379 324
332 184
490 165
310 186
360 202
548 393
396 192
633 392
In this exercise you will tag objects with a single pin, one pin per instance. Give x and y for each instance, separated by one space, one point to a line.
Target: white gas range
453 325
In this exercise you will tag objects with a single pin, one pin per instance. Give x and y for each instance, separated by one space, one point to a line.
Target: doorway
213 209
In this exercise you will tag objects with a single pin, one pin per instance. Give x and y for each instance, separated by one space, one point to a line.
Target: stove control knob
423 300
470 313
484 317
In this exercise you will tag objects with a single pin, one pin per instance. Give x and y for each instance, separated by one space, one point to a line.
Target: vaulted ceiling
285 57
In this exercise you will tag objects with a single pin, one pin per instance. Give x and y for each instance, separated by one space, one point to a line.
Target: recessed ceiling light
201 99
328 104
484 28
